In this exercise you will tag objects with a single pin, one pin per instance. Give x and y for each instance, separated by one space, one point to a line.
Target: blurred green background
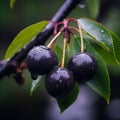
15 101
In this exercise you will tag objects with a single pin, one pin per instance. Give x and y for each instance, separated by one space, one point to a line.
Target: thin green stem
64 50
53 40
81 38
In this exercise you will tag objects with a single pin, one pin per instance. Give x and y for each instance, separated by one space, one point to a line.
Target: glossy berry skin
59 82
83 66
40 60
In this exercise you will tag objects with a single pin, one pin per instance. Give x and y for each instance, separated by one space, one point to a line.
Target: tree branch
9 67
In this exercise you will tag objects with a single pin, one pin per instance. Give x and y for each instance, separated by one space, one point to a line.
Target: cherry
59 82
83 66
40 60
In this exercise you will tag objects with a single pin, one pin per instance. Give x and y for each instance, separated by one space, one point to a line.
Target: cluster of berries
59 81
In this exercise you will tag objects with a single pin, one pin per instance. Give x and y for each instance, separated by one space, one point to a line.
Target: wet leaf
98 32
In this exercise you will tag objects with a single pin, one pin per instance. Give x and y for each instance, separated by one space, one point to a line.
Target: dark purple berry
83 66
40 60
59 82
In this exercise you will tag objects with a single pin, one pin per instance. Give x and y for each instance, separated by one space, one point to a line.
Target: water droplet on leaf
103 36
102 31
91 25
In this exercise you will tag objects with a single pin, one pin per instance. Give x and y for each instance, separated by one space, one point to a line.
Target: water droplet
91 25
102 31
82 4
103 36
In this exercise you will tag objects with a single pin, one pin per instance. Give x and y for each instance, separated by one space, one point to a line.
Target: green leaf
93 7
116 47
35 84
69 52
107 56
98 32
76 45
101 82
112 58
12 2
65 102
58 51
23 38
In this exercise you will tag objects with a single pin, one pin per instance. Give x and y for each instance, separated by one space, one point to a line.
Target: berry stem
53 40
81 38
64 50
